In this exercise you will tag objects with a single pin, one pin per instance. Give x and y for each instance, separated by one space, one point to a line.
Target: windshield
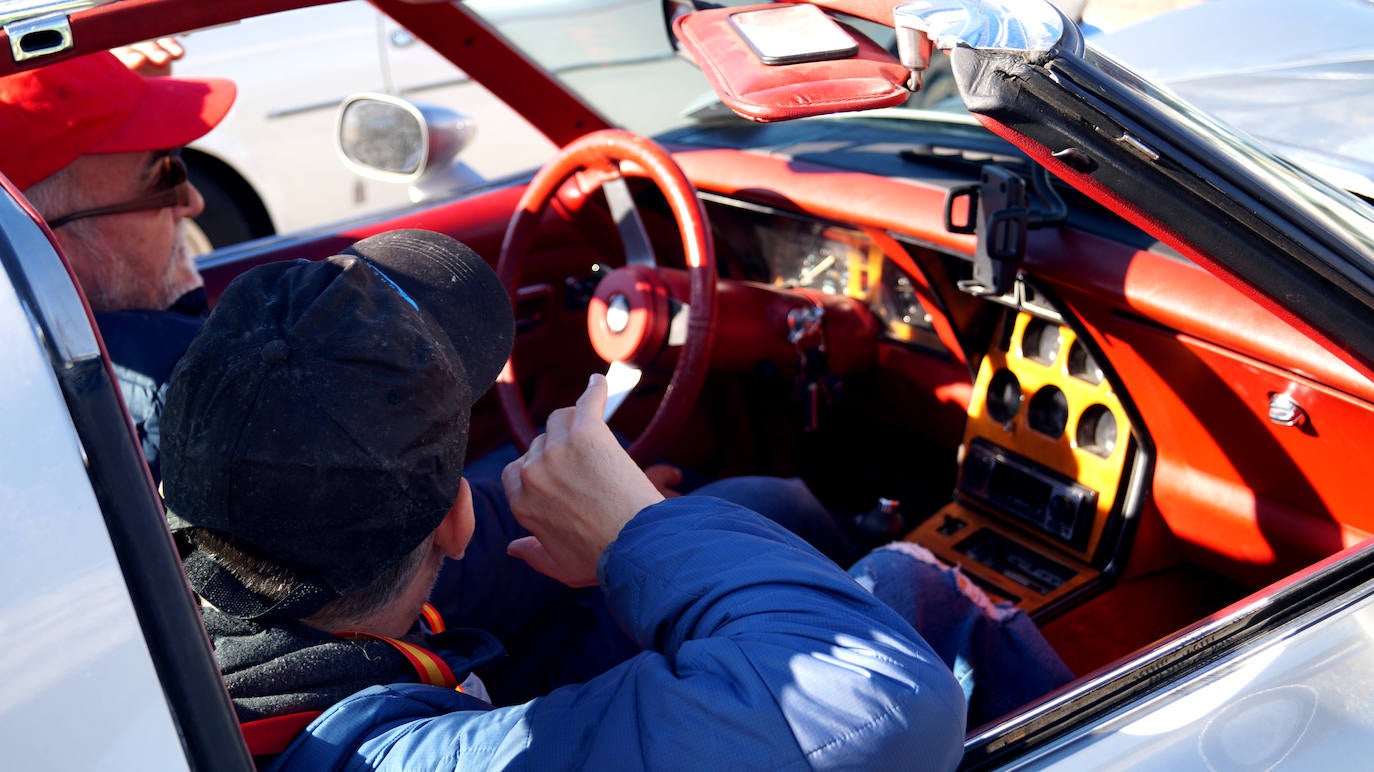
1339 211
617 55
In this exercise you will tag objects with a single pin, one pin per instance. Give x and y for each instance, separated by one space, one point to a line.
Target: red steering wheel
633 316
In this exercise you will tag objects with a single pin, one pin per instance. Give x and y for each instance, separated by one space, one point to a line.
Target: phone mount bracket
999 214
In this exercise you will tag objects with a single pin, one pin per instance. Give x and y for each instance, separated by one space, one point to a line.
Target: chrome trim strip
1339 580
61 316
983 24
20 10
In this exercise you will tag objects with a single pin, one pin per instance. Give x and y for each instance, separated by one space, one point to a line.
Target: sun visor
779 61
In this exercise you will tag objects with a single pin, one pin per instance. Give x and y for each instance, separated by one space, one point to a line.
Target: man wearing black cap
315 436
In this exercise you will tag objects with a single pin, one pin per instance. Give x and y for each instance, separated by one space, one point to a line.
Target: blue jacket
759 654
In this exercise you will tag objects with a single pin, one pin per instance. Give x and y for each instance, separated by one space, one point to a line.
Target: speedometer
824 270
832 260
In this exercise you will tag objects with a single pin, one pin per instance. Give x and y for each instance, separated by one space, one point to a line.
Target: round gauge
1004 396
1040 342
1048 412
901 301
1082 365
825 270
1097 431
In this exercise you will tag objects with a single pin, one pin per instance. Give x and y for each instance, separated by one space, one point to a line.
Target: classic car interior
1082 443
1088 423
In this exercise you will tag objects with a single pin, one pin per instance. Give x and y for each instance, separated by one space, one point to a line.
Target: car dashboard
1042 491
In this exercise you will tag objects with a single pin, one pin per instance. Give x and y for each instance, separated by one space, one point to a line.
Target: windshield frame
1286 238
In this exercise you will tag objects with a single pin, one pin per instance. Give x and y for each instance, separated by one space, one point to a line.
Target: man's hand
151 57
574 490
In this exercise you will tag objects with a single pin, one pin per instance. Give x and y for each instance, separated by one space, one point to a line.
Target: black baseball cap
319 420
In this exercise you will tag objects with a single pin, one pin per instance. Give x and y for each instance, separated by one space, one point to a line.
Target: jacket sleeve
759 653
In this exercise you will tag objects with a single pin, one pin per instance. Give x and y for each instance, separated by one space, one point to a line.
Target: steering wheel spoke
621 379
679 327
633 237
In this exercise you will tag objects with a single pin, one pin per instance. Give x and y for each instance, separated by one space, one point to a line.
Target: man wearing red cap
94 147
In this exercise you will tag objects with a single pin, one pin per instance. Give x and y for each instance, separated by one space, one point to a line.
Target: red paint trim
270 736
478 221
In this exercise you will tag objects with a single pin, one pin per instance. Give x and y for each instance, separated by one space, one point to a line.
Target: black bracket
999 214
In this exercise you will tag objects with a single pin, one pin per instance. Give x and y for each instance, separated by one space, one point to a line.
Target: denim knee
994 650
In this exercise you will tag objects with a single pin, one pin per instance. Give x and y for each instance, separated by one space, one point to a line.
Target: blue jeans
557 635
995 651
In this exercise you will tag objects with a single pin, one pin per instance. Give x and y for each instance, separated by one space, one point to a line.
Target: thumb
531 550
666 478
592 404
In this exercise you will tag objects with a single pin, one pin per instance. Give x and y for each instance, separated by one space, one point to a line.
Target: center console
1047 453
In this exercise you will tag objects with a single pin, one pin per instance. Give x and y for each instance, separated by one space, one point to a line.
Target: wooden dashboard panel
1058 387
994 554
1045 458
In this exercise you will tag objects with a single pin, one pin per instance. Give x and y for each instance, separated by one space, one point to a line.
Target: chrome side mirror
386 138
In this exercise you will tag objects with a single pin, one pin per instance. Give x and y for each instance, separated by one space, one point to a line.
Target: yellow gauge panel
1044 399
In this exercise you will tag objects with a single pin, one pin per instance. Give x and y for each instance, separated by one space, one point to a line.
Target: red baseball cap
94 104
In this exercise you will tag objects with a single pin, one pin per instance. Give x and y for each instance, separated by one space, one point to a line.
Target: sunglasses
169 190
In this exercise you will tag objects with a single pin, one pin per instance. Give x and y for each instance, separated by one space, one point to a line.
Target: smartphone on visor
792 34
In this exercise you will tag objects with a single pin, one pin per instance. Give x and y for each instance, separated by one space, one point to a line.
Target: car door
104 661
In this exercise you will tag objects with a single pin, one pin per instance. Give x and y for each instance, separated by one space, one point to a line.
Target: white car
271 167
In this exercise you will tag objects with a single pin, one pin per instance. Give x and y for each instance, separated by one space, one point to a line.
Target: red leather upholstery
777 92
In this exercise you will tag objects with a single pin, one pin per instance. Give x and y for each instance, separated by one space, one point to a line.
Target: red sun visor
779 61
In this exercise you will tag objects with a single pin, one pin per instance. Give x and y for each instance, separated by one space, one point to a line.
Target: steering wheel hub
617 313
628 317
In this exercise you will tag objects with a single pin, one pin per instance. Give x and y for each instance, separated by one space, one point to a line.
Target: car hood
1299 77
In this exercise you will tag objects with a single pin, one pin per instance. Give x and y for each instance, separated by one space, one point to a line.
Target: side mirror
386 138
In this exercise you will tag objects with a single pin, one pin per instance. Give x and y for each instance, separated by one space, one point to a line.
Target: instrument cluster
798 252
